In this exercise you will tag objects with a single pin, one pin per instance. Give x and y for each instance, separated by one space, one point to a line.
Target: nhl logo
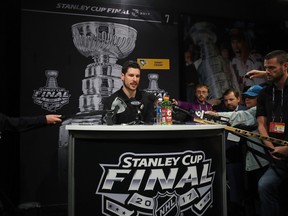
166 204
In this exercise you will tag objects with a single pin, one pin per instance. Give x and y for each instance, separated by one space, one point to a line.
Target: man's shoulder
112 96
147 96
109 99
256 56
251 110
208 103
242 107
267 87
197 104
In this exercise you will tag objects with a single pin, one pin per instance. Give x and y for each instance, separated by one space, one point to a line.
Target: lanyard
273 103
200 107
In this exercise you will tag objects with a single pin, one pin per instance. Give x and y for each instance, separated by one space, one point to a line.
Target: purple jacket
195 106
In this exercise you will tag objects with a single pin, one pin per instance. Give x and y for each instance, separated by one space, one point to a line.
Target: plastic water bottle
158 111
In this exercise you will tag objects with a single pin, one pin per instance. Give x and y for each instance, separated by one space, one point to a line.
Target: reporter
16 124
200 103
255 165
272 117
19 124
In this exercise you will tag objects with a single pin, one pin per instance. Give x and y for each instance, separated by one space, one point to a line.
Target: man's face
250 101
237 47
188 58
201 94
274 70
131 79
231 101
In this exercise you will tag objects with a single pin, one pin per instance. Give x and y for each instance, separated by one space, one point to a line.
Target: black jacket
131 114
19 124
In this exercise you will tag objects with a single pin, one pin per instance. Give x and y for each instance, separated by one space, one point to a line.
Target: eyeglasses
203 92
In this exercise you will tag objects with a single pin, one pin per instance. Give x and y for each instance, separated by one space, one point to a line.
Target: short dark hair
129 64
280 55
237 34
228 91
202 85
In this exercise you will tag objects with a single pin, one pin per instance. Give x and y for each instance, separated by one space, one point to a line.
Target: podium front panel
147 172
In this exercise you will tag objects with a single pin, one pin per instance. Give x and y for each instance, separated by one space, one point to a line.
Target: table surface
73 127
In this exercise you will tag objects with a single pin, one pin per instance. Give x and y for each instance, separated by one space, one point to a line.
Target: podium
146 170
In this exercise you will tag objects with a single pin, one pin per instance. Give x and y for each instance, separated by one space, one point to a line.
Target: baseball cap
253 91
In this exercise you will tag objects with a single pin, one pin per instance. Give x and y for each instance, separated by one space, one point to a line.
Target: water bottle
158 111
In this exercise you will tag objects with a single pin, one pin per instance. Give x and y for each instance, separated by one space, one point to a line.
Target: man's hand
53 119
175 102
211 113
280 152
255 74
214 101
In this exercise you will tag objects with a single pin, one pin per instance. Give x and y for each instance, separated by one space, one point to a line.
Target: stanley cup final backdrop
71 57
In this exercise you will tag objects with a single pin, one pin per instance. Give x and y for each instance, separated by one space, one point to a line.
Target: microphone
116 109
201 114
247 76
191 113
139 106
219 119
118 106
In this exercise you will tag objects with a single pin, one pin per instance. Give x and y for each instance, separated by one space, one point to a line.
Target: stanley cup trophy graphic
105 43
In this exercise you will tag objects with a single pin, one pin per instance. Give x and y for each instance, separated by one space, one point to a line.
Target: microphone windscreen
120 103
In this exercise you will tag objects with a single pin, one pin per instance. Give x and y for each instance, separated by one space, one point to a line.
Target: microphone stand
118 106
110 115
93 113
137 105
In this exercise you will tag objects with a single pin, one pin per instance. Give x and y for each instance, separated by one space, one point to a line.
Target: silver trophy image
153 86
211 68
105 43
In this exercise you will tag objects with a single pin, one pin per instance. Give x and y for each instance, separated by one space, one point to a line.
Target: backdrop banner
71 57
223 50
